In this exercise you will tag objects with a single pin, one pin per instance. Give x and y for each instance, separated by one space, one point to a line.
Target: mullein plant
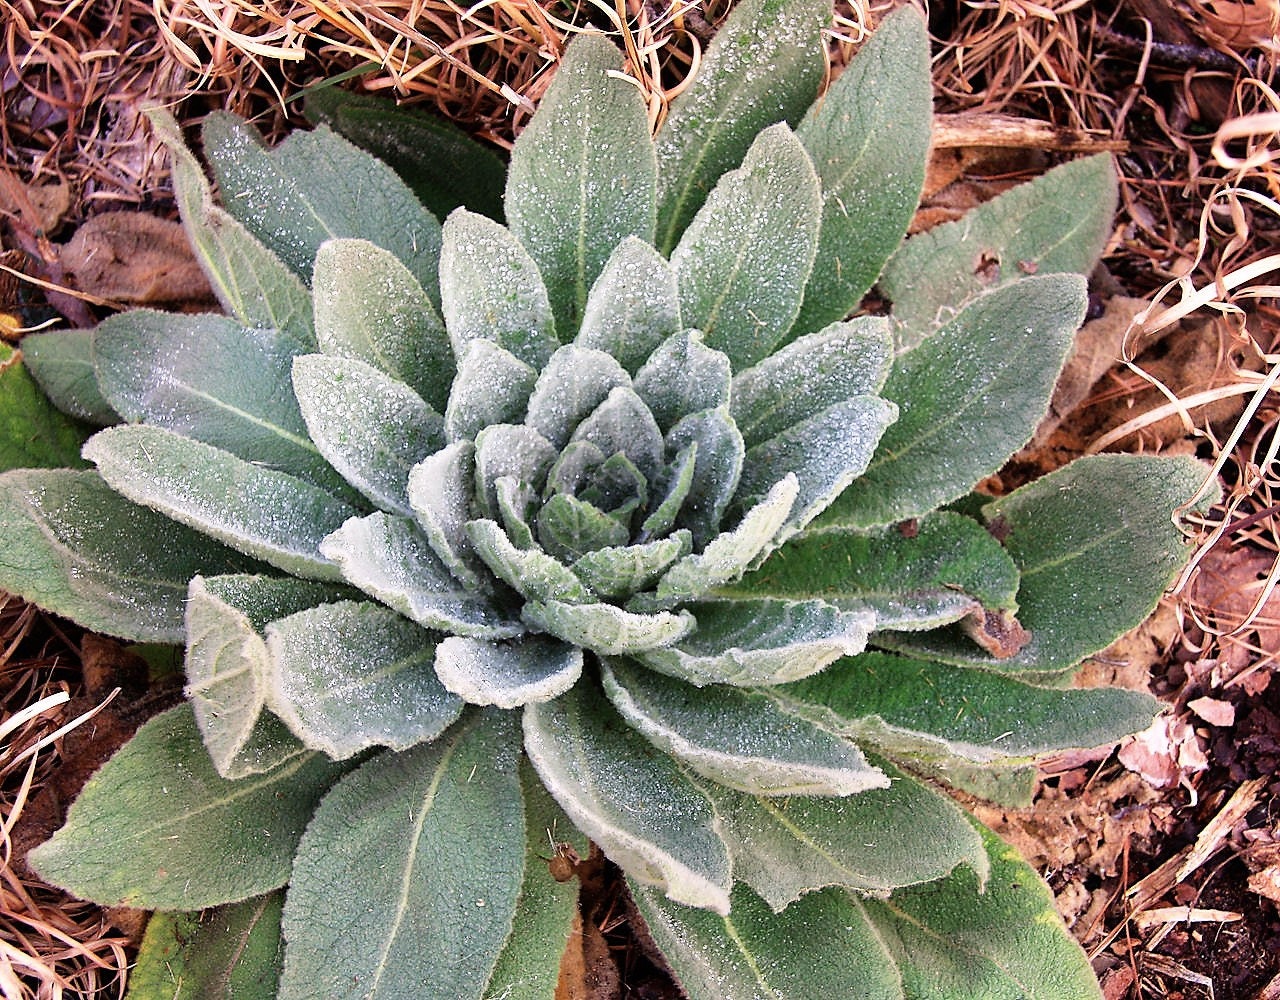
588 515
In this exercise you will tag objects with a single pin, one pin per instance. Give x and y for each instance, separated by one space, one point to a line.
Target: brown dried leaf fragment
135 259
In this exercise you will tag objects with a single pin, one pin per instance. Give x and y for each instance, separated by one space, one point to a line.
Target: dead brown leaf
135 259
1165 754
40 207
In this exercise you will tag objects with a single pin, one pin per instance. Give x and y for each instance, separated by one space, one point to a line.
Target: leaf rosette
623 465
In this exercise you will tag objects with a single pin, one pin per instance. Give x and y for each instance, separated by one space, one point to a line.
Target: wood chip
1184 915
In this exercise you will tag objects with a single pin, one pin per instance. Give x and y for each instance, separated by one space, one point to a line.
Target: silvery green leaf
370 427
622 423
349 676
869 140
634 803
426 913
211 379
575 381
440 495
973 935
574 467
157 828
633 306
786 848
569 528
316 186
548 910
607 629
583 174
826 453
232 952
443 165
914 707
616 487
516 501
254 285
75 552
532 572
750 643
968 398
742 263
491 289
227 666
492 386
764 65
507 674
933 571
1096 546
619 571
510 450
62 363
839 362
390 559
737 738
1056 223
683 376
370 307
822 946
717 470
266 514
678 478
731 553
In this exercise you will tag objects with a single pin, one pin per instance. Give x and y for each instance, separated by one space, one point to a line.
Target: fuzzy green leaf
764 66
157 828
1056 223
510 674
998 938
606 629
729 555
228 666
683 376
316 186
443 165
737 738
935 571
633 306
370 307
72 548
717 470
742 263
432 914
575 381
33 432
510 450
968 398
821 946
911 706
619 571
369 426
390 559
784 848
532 572
622 423
837 363
491 289
1096 546
637 805
569 528
749 643
676 484
253 284
349 676
263 513
62 364
492 386
869 140
228 953
825 453
583 174
530 964
210 379
440 494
